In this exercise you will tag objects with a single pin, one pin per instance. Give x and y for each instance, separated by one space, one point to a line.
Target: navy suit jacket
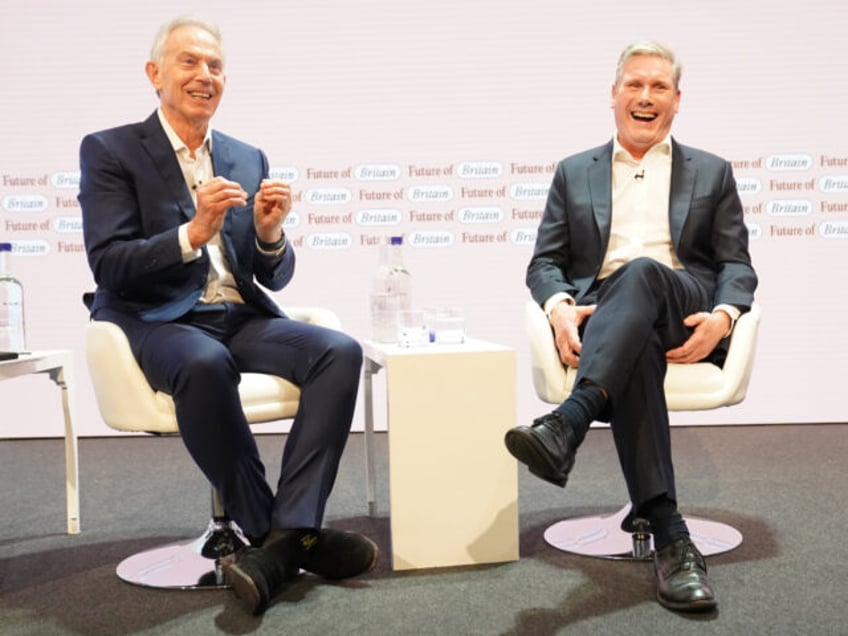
705 219
134 198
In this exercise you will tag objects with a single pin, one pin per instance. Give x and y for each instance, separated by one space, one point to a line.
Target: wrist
730 320
555 301
274 246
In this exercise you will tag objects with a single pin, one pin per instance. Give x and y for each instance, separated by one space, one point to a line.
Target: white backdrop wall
461 109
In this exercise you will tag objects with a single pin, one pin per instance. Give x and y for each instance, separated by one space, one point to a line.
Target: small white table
453 487
59 365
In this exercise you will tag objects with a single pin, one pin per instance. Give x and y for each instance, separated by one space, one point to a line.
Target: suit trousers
639 316
199 359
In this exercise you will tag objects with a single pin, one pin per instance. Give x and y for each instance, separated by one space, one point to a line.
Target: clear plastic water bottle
392 291
11 306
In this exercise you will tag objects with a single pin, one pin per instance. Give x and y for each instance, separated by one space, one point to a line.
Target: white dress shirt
640 208
197 169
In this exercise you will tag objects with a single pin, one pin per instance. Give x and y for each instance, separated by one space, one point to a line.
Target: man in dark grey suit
641 259
181 226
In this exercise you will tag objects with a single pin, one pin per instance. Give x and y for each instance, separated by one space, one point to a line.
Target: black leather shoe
547 447
338 555
682 582
257 575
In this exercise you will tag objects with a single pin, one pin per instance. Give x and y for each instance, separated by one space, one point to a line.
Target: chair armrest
551 379
740 354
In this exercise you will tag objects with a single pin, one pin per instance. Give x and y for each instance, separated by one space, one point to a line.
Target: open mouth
200 95
643 116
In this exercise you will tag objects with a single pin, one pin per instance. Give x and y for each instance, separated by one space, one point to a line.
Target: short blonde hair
649 47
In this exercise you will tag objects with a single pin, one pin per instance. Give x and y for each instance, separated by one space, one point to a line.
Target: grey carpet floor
783 487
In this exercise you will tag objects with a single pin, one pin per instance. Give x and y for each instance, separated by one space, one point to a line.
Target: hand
272 204
566 320
214 198
709 329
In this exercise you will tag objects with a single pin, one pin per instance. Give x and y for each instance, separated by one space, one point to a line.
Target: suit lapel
683 173
222 162
157 145
223 165
600 192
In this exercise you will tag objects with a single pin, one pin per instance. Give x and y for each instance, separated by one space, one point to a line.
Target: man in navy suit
641 259
181 226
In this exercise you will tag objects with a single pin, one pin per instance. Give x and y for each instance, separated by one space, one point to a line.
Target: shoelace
691 560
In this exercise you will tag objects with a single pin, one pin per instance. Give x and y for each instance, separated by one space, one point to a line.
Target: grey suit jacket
705 219
134 198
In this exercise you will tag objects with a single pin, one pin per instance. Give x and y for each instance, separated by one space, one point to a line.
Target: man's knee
641 276
346 352
210 366
644 268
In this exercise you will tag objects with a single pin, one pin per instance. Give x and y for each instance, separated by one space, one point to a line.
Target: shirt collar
620 153
176 143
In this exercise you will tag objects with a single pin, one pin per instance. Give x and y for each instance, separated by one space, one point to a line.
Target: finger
275 196
693 319
676 352
215 193
218 183
568 358
679 358
275 185
586 310
576 346
275 188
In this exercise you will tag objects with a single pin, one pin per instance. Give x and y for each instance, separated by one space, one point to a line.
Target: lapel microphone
639 175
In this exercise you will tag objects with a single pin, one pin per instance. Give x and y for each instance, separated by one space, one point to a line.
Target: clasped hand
566 320
271 205
707 330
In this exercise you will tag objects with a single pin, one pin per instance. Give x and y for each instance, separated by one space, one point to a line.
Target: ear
612 97
152 71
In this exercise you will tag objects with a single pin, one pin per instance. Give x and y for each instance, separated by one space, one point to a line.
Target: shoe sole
694 606
373 563
335 576
525 448
244 589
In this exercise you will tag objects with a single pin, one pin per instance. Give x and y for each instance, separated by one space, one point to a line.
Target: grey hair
649 47
157 51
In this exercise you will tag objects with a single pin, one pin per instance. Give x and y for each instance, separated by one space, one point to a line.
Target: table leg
370 368
63 377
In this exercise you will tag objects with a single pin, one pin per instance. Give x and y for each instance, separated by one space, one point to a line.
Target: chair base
601 536
189 565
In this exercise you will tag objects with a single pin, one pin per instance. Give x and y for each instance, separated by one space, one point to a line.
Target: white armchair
128 403
688 387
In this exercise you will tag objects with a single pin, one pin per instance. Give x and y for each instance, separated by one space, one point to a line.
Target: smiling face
189 78
645 101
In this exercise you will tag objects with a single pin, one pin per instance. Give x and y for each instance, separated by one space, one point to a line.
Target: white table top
380 351
35 362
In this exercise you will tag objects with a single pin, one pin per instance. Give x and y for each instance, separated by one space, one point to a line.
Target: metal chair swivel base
195 564
602 536
189 565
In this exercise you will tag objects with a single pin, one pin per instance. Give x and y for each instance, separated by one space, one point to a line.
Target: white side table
59 365
453 486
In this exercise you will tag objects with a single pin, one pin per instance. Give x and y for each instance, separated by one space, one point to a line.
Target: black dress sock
583 406
667 524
